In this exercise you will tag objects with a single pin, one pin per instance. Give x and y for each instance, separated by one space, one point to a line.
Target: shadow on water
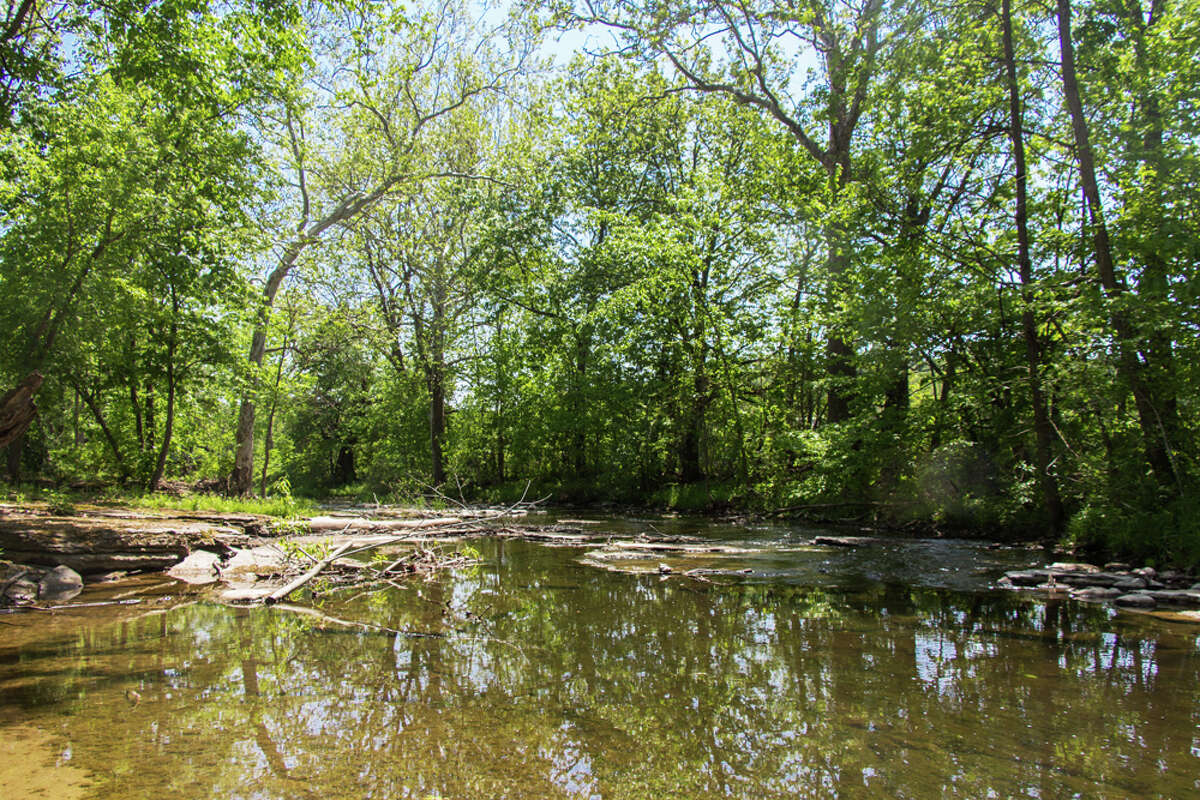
867 673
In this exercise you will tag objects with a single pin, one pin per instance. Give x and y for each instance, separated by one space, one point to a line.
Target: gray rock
1069 566
1146 572
1136 601
1029 577
1131 583
59 585
200 567
20 591
665 569
1096 593
1117 566
1174 597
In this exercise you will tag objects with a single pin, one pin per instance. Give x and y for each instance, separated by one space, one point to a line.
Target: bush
1166 535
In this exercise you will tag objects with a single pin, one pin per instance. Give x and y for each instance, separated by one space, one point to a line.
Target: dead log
17 409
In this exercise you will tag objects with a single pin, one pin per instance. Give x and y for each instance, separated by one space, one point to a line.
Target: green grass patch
65 502
286 506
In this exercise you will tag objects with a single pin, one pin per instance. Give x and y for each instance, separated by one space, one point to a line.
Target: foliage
765 260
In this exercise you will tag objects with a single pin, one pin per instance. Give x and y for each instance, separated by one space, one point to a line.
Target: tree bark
1150 420
1043 433
17 408
169 424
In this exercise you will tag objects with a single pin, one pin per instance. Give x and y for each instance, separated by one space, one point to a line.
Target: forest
927 263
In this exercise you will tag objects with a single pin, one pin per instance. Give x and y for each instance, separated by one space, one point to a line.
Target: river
885 671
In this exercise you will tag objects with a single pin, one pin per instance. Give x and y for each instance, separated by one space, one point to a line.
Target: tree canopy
929 263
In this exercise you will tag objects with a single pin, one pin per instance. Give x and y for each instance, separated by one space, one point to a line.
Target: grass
283 506
60 501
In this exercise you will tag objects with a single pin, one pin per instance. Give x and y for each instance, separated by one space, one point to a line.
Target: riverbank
252 558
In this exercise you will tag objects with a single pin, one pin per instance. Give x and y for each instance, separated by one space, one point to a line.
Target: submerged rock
59 585
848 541
20 591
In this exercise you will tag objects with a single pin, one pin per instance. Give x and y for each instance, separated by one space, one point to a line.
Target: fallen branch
284 591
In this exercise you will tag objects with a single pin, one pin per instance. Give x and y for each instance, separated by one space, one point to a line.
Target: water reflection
550 679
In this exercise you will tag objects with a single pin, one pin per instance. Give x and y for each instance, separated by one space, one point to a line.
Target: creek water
885 671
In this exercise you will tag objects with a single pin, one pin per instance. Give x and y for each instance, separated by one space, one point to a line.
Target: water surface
883 672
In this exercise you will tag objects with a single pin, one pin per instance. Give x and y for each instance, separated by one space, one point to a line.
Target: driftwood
283 591
17 409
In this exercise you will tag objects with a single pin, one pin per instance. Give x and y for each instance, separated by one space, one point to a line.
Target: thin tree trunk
1154 439
1043 433
269 440
90 401
169 424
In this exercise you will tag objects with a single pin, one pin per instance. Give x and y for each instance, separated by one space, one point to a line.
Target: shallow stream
886 671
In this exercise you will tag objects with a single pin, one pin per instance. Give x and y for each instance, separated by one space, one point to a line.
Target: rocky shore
1124 586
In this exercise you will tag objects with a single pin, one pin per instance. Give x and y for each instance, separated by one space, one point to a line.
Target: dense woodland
908 261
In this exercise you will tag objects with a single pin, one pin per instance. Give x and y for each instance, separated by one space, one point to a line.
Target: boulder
198 568
1131 583
1143 601
1027 577
1096 593
251 564
1149 573
1174 597
59 585
1069 566
20 591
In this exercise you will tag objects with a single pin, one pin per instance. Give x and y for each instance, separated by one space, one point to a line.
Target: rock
20 591
1148 573
848 541
1136 601
1175 579
1005 582
98 542
1195 587
665 569
1053 588
1031 577
1117 566
245 594
59 585
198 568
1096 593
253 563
107 577
1068 566
1131 583
1174 597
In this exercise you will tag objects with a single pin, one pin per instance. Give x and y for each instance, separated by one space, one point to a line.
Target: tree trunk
241 481
1150 420
1043 433
160 464
17 409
